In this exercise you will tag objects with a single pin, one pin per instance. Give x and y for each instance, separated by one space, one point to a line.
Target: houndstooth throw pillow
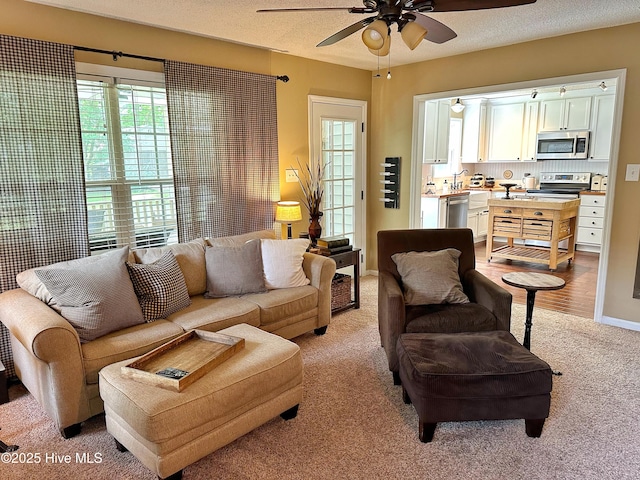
160 286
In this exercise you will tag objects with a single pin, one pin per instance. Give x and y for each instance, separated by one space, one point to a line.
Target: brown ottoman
473 376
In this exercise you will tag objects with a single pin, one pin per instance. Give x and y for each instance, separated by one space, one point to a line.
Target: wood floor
576 298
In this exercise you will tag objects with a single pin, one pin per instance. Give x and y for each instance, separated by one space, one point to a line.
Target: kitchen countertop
458 193
594 192
535 202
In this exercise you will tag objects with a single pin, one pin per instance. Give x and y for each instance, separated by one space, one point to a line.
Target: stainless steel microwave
561 145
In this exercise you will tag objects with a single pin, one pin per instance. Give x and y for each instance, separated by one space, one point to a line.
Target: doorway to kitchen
497 153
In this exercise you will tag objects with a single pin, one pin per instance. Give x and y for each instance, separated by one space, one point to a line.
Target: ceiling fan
407 14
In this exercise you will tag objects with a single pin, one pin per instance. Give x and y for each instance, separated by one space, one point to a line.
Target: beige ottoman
168 431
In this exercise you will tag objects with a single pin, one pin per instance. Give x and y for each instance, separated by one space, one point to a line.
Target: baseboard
617 322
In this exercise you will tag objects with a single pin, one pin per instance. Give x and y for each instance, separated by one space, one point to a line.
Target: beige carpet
353 424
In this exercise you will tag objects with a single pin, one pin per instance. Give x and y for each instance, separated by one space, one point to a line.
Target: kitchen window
127 160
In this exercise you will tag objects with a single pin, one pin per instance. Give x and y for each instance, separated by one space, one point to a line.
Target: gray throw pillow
234 270
160 286
430 278
96 298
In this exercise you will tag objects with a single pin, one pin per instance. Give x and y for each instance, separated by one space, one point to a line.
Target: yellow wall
390 102
593 51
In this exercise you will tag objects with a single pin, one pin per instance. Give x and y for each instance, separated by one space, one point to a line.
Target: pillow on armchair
430 277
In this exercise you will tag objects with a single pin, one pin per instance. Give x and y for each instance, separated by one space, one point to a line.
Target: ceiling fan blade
462 5
436 32
317 9
345 32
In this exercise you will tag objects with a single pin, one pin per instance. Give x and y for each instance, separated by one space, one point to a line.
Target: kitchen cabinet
565 114
601 128
474 120
478 215
530 132
437 115
505 127
433 212
591 222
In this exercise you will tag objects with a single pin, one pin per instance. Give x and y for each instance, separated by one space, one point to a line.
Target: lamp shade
288 212
374 35
458 106
412 34
384 51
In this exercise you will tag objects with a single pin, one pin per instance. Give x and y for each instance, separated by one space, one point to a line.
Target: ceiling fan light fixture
412 34
458 106
375 35
386 48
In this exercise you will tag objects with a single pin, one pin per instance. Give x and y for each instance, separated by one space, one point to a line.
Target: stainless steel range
560 185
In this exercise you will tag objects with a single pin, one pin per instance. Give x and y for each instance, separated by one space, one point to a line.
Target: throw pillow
159 286
282 261
96 298
430 277
29 281
234 270
190 257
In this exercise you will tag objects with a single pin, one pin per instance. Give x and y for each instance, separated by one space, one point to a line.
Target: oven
559 185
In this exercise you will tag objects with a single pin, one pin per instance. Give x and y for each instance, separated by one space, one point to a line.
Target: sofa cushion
287 303
96 298
125 344
29 281
190 257
450 318
430 277
282 261
212 314
159 286
233 240
234 270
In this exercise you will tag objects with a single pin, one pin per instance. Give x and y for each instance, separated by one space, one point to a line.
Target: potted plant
312 192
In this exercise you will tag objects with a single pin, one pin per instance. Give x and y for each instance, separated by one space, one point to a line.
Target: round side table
532 282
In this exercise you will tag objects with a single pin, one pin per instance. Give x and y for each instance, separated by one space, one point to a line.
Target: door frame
620 76
360 164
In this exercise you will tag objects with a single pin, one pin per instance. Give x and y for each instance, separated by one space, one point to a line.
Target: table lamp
288 212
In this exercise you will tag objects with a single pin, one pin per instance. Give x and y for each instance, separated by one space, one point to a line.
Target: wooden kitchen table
545 219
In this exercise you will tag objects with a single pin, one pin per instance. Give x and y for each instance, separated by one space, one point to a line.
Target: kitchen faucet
455 186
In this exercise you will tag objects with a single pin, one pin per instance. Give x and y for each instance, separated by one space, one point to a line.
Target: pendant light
458 106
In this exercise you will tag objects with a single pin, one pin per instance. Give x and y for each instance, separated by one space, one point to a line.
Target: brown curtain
42 199
224 144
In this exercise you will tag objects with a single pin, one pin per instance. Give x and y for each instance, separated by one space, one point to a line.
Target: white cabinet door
483 223
506 125
530 132
474 118
472 223
436 132
602 128
565 114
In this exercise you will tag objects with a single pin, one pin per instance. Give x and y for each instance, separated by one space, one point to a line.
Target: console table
348 259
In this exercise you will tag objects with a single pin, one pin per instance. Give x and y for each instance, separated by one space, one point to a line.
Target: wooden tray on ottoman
184 359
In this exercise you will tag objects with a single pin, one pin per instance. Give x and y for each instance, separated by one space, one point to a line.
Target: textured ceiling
298 33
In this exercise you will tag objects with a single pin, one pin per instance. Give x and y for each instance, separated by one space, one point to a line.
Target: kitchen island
536 218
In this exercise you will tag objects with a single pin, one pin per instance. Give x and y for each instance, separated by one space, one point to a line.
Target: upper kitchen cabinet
437 115
601 128
565 114
474 120
505 124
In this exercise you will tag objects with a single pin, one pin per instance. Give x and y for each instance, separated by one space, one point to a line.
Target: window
338 152
127 160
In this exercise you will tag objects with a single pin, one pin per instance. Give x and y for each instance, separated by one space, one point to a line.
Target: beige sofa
61 372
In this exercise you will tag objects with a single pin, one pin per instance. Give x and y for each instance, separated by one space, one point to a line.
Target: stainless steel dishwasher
457 210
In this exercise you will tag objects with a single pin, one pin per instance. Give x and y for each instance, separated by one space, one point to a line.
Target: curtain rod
116 54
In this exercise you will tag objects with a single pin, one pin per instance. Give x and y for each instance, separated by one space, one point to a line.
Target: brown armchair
489 307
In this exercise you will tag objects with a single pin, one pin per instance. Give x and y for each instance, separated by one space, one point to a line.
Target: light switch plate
291 175
633 173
